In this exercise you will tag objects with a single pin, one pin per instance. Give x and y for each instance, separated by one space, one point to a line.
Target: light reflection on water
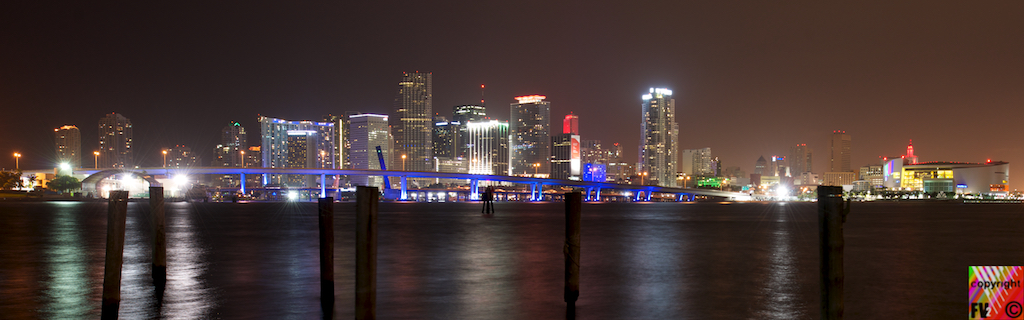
186 295
656 260
68 288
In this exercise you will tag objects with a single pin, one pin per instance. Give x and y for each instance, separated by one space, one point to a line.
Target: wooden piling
831 216
117 209
156 207
571 249
366 252
326 214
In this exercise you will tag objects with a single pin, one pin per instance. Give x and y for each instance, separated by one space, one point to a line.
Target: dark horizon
750 79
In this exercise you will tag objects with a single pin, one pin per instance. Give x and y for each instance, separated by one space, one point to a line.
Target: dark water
446 261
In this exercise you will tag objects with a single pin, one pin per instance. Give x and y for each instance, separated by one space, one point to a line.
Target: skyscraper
274 146
446 137
233 141
840 148
116 142
488 143
412 124
571 124
659 132
367 132
565 156
799 159
181 157
760 165
461 115
530 126
69 145
700 162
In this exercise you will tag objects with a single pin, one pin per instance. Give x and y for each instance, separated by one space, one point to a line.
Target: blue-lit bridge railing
591 189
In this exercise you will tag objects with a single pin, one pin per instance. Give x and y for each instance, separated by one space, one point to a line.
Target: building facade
275 150
412 123
800 159
658 142
840 152
116 142
566 161
367 133
530 126
488 151
69 145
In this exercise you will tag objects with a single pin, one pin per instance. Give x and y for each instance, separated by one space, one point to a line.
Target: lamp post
535 167
165 158
403 162
96 159
642 175
242 156
17 156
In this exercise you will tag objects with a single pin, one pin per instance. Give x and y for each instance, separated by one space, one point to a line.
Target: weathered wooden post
156 207
571 250
366 252
326 214
117 209
831 216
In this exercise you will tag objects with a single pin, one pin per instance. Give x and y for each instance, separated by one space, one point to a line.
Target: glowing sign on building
531 98
574 156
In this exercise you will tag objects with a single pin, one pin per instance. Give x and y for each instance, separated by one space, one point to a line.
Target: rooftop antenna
482 95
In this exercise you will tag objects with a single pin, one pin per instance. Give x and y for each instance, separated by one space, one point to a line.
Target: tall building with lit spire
530 128
910 158
659 133
412 123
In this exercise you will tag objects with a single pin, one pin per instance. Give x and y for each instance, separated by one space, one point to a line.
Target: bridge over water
592 190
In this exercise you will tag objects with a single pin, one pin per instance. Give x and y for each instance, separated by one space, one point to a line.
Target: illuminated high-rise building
181 156
116 142
571 124
446 137
367 132
658 141
530 127
699 161
233 141
910 158
840 148
760 165
412 125
799 159
69 145
275 144
565 156
488 143
460 116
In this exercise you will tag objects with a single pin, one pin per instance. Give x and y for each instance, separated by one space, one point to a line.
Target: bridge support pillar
539 192
405 189
472 190
597 196
649 194
323 185
241 176
636 198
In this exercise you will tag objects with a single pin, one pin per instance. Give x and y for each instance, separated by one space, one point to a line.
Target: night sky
750 78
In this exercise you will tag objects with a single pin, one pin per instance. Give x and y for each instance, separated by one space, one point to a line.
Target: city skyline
749 80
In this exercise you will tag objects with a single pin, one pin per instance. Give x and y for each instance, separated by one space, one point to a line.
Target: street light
165 158
242 152
403 162
96 159
642 175
17 156
535 167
